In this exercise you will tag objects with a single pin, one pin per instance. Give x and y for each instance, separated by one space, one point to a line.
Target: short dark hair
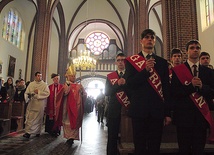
204 54
37 73
53 75
194 41
147 31
22 80
175 51
17 81
120 55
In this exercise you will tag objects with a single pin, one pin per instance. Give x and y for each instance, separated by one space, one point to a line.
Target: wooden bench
169 138
17 117
5 121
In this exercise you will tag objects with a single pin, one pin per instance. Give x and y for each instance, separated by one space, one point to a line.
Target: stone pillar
42 37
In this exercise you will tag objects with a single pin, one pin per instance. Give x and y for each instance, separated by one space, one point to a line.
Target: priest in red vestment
73 109
54 108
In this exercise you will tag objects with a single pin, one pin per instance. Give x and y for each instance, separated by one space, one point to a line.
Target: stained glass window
97 42
12 28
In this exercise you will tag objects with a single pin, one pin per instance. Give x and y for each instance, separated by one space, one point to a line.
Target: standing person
53 109
10 88
100 102
115 84
36 95
204 59
3 92
20 91
192 91
176 59
73 109
148 90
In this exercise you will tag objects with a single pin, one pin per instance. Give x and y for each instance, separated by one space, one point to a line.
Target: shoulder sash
121 95
184 75
154 79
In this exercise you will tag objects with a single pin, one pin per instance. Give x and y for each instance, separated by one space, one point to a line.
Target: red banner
121 95
154 80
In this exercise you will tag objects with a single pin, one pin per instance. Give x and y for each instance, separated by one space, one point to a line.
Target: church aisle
93 142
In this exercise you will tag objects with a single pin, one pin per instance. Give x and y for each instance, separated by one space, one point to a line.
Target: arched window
12 28
97 42
207 13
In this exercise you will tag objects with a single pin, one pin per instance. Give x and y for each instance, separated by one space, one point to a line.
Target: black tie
194 70
148 56
121 74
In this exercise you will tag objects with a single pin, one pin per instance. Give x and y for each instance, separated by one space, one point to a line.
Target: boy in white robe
36 95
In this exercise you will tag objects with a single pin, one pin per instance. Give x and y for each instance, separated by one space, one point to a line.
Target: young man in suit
192 91
114 89
148 90
204 59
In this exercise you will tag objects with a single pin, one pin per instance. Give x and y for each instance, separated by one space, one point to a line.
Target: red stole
185 77
121 95
154 79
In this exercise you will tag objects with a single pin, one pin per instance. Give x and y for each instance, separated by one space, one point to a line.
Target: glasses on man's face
195 47
120 60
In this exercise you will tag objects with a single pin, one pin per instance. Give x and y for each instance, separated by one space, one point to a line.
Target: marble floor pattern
94 139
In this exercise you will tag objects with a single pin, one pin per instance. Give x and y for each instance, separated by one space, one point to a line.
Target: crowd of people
147 86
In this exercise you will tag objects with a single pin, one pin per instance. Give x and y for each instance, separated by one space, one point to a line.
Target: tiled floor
93 142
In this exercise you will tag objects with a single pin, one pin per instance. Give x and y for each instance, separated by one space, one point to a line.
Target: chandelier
84 61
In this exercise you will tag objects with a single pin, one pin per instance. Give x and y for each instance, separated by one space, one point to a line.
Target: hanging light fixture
84 61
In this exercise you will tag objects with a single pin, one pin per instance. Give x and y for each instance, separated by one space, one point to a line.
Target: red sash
154 80
185 77
121 95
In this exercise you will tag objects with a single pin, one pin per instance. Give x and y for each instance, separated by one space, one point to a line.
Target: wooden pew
17 117
5 118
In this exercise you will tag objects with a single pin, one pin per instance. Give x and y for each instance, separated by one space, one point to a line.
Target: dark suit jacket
185 111
114 106
144 99
3 93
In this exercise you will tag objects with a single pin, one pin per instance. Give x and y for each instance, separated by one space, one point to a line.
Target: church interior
50 35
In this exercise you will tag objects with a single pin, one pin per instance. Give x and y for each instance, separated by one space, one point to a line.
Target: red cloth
72 110
51 107
54 105
59 107
75 100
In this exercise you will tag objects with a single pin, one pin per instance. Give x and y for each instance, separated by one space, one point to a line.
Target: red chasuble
185 77
121 95
75 99
154 80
